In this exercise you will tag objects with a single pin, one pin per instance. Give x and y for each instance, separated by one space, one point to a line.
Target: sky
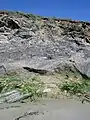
72 9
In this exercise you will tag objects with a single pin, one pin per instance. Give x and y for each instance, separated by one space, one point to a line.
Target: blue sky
75 9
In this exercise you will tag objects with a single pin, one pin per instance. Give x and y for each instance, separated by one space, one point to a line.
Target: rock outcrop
50 44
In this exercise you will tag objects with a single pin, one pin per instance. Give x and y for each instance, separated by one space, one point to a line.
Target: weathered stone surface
13 96
44 44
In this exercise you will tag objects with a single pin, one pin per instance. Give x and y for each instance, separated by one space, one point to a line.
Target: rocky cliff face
38 43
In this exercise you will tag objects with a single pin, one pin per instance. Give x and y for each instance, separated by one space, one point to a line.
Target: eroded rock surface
44 43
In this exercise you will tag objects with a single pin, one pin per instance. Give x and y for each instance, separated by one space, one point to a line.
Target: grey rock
8 93
13 96
9 22
16 97
41 44
9 96
83 68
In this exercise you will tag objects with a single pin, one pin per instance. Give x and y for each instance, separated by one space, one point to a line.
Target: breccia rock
49 44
